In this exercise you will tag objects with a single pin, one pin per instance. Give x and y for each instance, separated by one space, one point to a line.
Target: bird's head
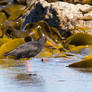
46 40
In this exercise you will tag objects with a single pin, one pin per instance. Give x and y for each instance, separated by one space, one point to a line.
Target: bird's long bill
50 43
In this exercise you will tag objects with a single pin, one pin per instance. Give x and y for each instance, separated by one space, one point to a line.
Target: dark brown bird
29 49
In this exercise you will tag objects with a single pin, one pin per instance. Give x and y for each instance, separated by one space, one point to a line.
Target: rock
44 60
61 15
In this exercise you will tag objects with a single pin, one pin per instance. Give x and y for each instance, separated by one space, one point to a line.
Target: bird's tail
6 54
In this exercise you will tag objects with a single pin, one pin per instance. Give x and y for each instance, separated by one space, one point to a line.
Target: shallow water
52 76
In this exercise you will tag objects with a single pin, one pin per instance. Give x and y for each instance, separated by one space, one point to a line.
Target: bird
29 49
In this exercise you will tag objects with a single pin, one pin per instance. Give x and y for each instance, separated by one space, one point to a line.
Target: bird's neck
42 42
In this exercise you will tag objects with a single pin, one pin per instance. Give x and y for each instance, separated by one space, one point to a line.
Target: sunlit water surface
52 76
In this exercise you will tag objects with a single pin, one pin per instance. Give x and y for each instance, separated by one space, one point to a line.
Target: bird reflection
28 79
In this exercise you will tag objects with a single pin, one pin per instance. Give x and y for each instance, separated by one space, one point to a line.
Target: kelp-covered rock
1 33
76 49
14 11
10 45
40 28
79 39
82 64
82 49
4 40
3 17
17 24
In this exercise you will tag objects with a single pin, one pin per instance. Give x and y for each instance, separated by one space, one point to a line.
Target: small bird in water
29 49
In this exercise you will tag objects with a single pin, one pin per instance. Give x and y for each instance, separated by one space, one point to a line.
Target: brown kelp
14 11
10 45
77 39
84 63
37 29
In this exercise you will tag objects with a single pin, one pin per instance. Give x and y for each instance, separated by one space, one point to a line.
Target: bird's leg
28 65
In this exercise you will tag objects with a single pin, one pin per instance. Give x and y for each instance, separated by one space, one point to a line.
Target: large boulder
66 17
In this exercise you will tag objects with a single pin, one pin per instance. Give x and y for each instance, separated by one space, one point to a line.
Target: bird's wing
27 47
